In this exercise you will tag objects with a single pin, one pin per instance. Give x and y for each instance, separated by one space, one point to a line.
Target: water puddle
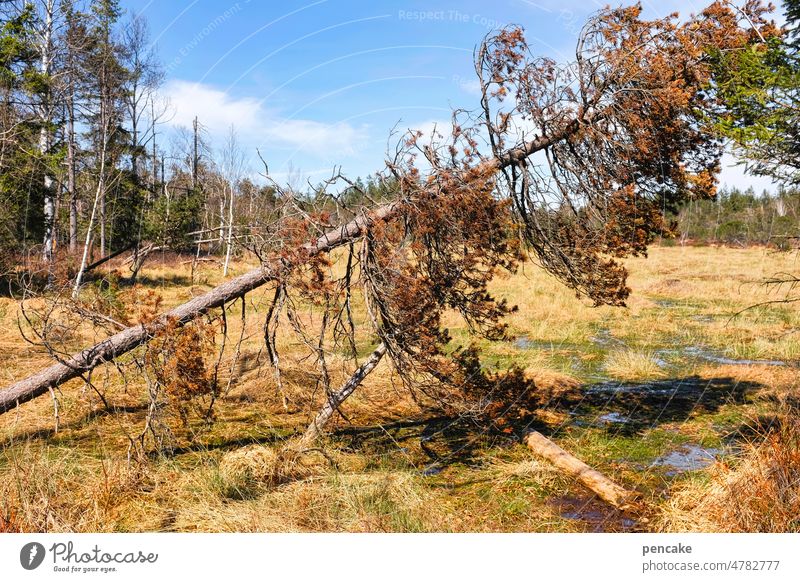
655 389
667 303
613 418
432 470
604 338
632 406
702 318
687 458
596 516
524 343
700 353
661 363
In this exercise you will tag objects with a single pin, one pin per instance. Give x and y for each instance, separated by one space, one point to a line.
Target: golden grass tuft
632 365
247 470
242 468
552 382
543 473
373 502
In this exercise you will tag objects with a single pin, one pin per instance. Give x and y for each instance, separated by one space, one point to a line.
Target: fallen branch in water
592 479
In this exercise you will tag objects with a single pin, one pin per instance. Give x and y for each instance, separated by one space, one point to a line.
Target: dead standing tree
580 159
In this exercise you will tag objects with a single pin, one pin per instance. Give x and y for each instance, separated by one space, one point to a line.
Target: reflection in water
687 458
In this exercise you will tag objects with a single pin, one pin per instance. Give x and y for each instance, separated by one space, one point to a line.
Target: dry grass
631 365
231 477
53 490
244 468
757 491
390 501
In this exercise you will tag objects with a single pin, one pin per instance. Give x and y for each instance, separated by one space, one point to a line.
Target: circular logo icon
31 555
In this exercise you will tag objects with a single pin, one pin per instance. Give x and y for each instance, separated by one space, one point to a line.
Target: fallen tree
271 270
619 141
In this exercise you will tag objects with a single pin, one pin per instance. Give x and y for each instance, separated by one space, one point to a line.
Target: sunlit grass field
673 396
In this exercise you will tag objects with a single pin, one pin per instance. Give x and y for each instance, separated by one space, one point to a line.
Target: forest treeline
739 217
87 167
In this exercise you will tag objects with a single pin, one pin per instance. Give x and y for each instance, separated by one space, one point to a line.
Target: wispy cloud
256 124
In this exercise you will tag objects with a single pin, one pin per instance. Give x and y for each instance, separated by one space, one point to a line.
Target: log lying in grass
128 339
107 258
601 485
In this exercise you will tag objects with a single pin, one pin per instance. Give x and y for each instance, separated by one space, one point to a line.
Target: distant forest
736 217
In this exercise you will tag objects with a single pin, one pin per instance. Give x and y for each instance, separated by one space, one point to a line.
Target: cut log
595 481
335 399
132 337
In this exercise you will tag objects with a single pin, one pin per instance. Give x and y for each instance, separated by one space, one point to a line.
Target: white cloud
315 137
256 124
214 108
469 86
733 175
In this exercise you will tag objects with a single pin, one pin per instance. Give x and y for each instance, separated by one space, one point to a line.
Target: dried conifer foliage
632 144
176 359
574 163
454 238
590 156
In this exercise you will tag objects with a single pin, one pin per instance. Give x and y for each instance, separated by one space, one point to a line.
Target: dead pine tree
583 160
570 164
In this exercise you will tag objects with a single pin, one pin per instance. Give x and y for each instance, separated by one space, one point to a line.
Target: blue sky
321 83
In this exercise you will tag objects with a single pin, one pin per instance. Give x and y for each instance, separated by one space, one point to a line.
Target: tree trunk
595 481
86 247
45 137
229 237
155 156
71 185
101 188
132 337
89 236
335 400
135 142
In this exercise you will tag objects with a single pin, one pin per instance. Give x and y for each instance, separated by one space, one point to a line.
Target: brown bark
336 399
595 481
132 337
